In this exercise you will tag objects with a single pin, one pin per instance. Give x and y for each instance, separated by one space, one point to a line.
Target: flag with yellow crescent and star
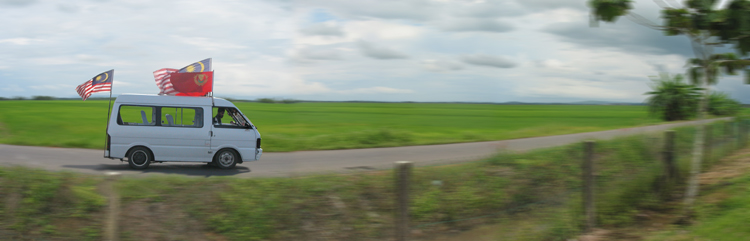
200 66
100 83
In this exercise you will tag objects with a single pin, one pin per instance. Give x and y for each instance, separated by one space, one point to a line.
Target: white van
152 128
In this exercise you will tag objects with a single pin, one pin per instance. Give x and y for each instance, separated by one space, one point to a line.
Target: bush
721 104
672 99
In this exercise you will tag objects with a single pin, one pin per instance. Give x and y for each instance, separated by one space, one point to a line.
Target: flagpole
213 79
211 63
109 110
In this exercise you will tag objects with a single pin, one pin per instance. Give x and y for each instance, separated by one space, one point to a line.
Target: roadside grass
60 205
318 126
540 189
722 210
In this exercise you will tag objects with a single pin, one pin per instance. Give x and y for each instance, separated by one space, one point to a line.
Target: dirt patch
141 220
731 167
3 131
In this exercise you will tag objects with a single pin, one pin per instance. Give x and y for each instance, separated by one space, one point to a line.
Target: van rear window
136 115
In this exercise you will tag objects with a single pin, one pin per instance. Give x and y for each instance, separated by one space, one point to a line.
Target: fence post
113 208
588 184
728 136
669 155
403 176
708 143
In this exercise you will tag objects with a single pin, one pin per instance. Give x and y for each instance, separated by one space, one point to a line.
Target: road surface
290 164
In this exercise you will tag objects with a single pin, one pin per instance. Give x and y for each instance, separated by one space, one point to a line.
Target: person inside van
219 115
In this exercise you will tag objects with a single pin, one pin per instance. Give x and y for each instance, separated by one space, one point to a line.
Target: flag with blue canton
100 83
200 66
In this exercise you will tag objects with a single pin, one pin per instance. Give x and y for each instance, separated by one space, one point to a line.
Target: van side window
131 115
181 117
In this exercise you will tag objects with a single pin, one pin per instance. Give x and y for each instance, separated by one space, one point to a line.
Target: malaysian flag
162 81
162 76
100 83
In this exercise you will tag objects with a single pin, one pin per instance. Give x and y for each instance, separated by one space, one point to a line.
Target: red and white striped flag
163 82
100 83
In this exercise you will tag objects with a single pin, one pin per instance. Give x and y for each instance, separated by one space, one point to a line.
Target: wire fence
542 191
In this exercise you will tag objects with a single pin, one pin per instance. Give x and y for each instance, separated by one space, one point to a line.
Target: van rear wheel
139 158
226 158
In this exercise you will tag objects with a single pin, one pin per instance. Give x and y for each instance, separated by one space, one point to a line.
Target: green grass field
316 126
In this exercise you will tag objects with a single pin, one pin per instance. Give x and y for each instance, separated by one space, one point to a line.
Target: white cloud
559 87
12 88
209 44
19 41
441 65
379 52
489 61
324 29
536 50
316 53
487 25
52 87
376 90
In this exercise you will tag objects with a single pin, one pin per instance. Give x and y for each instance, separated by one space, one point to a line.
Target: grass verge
540 189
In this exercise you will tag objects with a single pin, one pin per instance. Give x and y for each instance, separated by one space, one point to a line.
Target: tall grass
315 126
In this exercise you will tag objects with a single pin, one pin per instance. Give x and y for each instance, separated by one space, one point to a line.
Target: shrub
721 104
672 99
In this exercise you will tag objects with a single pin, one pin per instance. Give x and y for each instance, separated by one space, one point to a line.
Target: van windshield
229 117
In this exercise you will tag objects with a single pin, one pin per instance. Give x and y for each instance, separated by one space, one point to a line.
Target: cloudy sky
382 50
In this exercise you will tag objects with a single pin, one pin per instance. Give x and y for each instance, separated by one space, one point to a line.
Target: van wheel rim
226 159
139 158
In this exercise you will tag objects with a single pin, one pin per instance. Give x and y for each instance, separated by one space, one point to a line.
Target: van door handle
210 133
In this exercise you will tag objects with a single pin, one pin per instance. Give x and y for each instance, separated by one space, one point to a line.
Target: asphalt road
290 164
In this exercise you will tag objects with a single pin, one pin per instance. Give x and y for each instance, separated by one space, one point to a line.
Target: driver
219 115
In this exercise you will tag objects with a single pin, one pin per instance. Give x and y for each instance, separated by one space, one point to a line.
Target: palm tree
672 99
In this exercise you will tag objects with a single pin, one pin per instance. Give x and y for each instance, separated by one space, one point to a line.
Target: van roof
170 100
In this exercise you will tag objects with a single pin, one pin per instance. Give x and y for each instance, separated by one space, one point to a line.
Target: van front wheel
226 159
139 158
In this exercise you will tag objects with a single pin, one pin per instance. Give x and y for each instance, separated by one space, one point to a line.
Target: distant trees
279 101
42 97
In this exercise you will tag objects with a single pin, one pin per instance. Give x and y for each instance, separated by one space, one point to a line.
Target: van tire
140 157
226 158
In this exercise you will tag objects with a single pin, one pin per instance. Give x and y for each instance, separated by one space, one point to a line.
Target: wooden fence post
403 176
588 185
728 135
737 127
113 208
708 143
668 155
